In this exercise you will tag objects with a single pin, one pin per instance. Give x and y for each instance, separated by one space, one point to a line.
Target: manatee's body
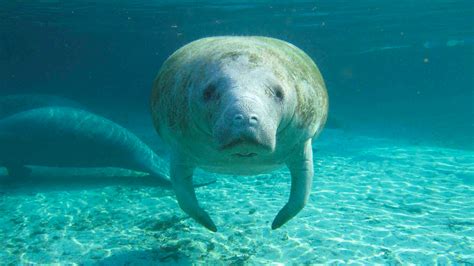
239 105
15 103
70 137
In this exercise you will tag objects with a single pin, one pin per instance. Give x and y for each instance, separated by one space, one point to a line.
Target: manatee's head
242 105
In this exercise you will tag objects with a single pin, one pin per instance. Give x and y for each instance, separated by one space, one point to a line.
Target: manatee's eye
278 92
209 93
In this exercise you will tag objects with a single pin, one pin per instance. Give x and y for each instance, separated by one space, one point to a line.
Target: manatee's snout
243 120
245 130
246 127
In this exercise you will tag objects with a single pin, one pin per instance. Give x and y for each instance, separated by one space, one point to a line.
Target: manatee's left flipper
18 171
182 179
301 169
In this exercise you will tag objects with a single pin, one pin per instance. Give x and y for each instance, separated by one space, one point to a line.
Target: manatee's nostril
243 120
253 120
238 118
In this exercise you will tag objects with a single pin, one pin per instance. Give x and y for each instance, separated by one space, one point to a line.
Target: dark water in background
401 69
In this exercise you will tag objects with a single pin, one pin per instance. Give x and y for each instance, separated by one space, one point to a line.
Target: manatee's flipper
182 179
301 169
18 171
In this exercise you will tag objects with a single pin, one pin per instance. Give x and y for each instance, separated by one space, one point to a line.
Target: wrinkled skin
239 105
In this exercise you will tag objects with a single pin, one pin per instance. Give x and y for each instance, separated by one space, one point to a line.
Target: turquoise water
394 168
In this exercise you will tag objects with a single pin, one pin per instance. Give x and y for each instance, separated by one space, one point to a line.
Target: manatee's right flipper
18 171
182 179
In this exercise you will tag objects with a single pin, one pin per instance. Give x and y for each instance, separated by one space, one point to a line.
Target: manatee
71 137
242 106
14 103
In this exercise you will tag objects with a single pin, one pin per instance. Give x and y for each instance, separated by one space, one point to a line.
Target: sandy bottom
373 201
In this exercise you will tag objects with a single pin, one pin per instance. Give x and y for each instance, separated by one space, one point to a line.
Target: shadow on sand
146 257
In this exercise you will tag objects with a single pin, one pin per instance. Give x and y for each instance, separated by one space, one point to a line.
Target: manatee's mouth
245 154
242 147
241 141
244 141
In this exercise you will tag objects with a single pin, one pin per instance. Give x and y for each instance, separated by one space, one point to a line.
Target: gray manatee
70 137
239 105
15 103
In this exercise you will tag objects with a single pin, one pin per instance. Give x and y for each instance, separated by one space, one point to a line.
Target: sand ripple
374 201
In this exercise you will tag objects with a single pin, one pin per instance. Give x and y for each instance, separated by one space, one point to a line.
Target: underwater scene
236 132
